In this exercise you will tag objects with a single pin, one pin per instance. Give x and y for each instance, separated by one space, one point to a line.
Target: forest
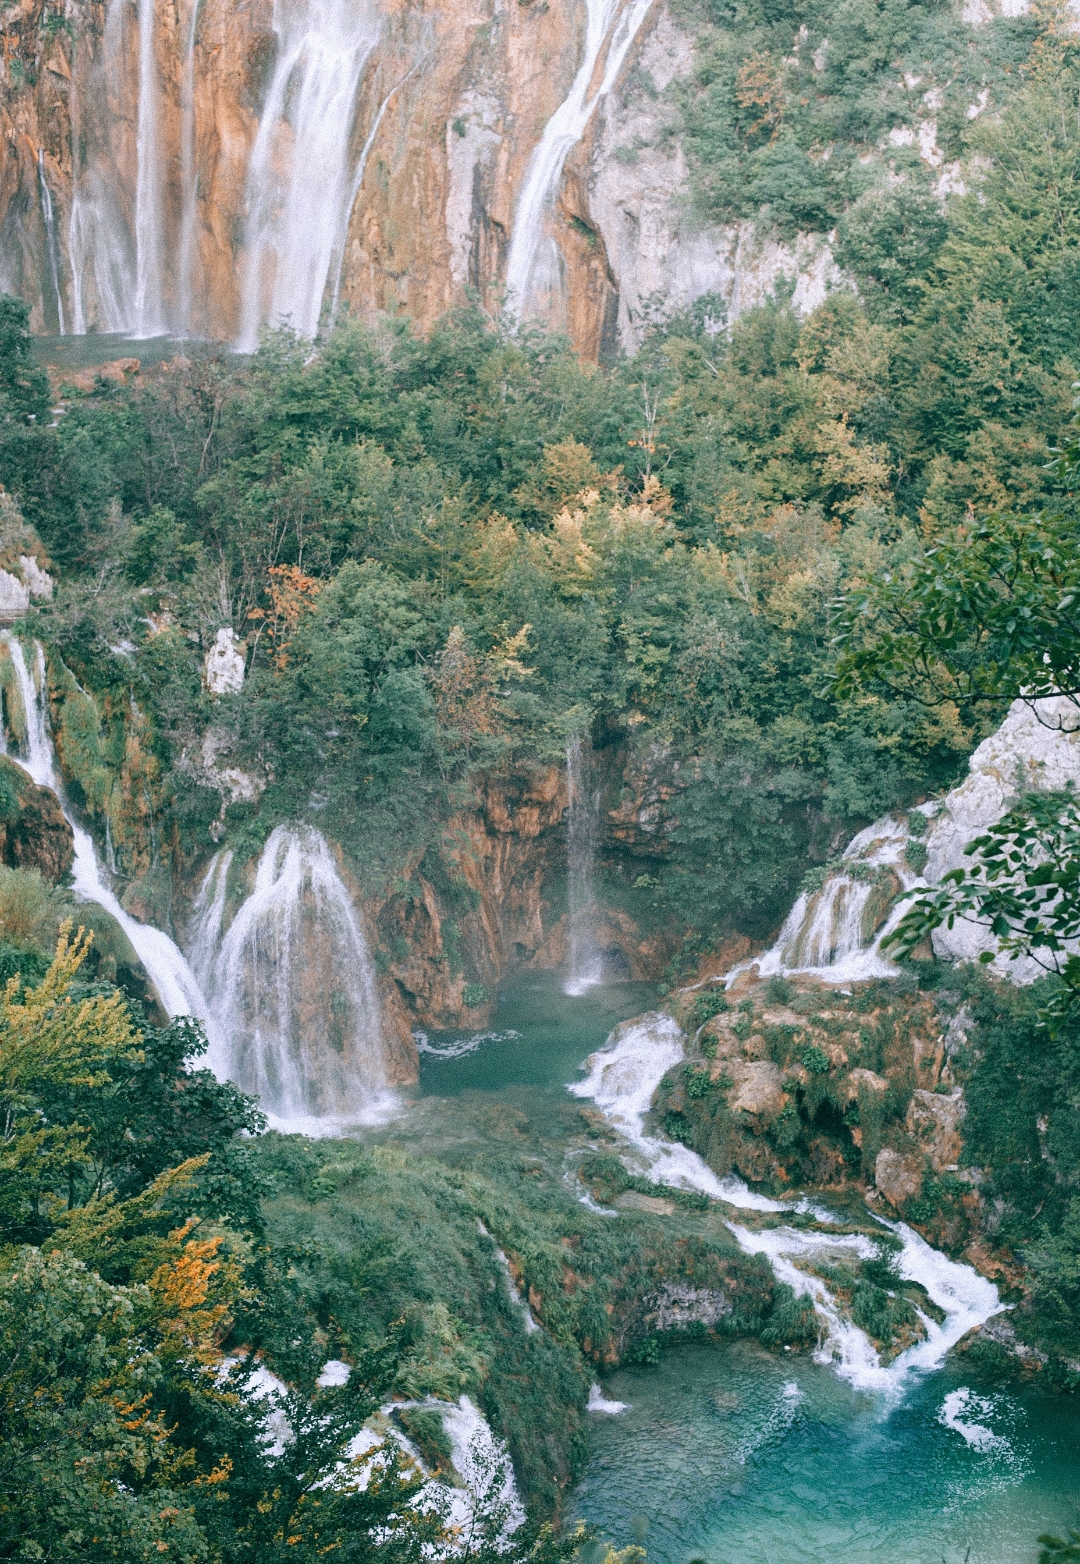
806 562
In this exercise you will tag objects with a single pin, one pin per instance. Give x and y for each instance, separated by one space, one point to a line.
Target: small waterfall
533 273
166 968
149 217
293 986
622 1081
835 932
586 968
189 192
298 184
52 245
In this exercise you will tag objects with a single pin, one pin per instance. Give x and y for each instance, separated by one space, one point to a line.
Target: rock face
898 1175
225 664
33 831
241 165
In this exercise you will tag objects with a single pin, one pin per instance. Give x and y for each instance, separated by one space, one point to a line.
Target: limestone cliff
204 168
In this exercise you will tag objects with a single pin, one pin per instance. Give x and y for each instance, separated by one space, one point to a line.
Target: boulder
755 1087
33 831
899 1175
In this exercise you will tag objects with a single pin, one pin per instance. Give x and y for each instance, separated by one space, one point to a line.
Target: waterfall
586 964
149 314
338 258
533 272
293 986
52 246
166 968
622 1080
298 184
189 217
833 932
99 239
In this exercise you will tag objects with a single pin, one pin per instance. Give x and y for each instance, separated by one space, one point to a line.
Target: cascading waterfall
533 273
298 183
189 189
586 967
52 245
149 310
166 968
622 1080
835 932
293 987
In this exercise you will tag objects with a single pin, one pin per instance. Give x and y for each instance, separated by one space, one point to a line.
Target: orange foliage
292 595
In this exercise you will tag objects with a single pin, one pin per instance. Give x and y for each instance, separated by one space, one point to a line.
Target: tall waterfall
586 964
149 212
52 245
293 987
100 248
170 974
622 1080
534 272
189 187
299 177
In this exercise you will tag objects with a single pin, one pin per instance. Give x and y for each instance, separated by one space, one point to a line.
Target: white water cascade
100 250
165 966
298 181
292 984
189 190
836 931
533 273
622 1080
148 306
52 246
586 964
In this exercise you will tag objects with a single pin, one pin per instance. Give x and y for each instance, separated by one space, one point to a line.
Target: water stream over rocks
176 984
586 965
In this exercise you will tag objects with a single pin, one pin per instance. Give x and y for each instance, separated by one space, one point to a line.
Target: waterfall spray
52 246
586 966
166 968
293 984
533 271
298 183
149 315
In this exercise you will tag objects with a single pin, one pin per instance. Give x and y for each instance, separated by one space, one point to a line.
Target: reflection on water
104 347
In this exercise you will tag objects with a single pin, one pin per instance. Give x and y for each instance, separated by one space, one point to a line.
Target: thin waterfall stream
299 182
533 270
52 243
173 979
586 960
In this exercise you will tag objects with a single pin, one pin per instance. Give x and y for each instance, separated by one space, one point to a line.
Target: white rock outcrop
224 664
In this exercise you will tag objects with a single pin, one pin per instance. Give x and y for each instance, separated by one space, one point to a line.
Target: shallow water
739 1456
734 1455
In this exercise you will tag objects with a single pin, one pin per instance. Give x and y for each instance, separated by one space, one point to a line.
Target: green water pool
734 1455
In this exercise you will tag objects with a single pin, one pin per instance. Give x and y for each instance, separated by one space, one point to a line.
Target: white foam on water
334 1372
460 1046
600 1404
967 1299
957 1412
